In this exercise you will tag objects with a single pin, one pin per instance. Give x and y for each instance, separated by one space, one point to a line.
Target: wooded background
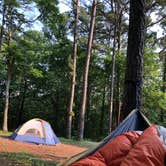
73 73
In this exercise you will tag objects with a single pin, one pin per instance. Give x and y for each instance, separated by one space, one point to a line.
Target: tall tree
85 83
73 81
163 59
134 66
3 4
10 64
164 70
113 6
13 21
164 83
119 24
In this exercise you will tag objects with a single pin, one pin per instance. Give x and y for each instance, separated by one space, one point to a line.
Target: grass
5 133
24 159
85 143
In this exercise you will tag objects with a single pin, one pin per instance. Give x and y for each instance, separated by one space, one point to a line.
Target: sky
63 7
156 27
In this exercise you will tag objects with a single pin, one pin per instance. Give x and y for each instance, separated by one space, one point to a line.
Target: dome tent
36 131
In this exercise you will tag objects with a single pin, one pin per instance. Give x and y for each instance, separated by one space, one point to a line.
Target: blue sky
64 7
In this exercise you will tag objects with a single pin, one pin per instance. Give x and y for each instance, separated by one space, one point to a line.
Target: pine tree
73 81
134 66
85 83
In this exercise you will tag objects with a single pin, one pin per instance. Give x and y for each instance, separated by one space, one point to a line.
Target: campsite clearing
56 153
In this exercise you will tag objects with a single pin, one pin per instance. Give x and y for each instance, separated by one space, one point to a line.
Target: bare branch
156 22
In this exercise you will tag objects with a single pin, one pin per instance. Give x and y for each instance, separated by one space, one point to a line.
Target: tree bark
88 105
73 81
164 74
102 111
10 63
118 97
9 74
85 82
21 104
112 82
163 87
112 71
3 22
134 66
5 118
118 67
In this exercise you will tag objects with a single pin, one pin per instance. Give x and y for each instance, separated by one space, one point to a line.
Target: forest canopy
44 51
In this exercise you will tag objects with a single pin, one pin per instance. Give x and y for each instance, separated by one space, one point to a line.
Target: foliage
5 133
85 143
40 83
25 159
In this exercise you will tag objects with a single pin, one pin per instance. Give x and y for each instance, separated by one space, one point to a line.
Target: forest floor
56 153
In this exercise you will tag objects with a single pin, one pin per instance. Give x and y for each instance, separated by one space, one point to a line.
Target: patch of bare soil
58 152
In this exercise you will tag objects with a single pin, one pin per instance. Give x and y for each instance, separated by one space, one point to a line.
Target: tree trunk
9 74
164 86
3 22
21 104
164 74
73 82
118 97
10 62
112 72
5 118
85 83
102 111
88 104
134 66
118 67
112 83
55 103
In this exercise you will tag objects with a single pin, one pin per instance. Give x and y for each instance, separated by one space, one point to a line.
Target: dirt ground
58 152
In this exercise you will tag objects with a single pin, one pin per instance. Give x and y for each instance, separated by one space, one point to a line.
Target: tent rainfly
36 131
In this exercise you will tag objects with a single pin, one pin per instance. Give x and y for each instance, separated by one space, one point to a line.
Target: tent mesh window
33 132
